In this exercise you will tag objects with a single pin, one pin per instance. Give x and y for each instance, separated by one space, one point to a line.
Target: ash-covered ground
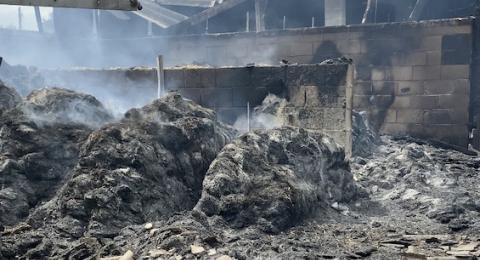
168 181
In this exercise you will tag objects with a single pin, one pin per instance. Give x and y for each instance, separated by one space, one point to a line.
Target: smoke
268 115
257 121
62 106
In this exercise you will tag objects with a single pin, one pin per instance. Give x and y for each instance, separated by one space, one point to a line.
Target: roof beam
191 3
214 11
126 5
159 15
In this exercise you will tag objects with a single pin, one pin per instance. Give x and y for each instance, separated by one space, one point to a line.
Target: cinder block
431 43
449 133
215 98
434 58
363 88
449 29
233 77
385 116
356 46
362 102
415 59
301 49
409 88
426 72
456 49
453 101
217 54
199 78
300 59
241 96
400 102
382 101
383 87
455 71
445 116
443 87
414 116
401 73
415 102
363 73
423 102
174 79
335 75
394 129
378 73
334 119
312 75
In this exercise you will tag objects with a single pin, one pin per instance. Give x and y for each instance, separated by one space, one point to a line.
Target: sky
9 16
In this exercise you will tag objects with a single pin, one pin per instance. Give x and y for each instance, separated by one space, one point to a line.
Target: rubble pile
168 181
148 165
34 158
432 182
66 106
276 178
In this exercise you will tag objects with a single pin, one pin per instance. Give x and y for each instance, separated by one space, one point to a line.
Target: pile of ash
168 181
35 158
148 165
424 180
271 178
151 166
66 106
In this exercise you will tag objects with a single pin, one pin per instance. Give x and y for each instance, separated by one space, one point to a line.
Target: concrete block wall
316 93
413 78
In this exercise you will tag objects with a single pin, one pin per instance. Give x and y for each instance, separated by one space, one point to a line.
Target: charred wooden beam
214 11
38 17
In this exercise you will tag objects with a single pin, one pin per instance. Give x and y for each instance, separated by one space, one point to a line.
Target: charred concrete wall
316 93
413 78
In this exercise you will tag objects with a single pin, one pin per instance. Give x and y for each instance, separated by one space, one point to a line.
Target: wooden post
38 17
284 22
248 116
20 18
260 8
348 112
206 26
160 77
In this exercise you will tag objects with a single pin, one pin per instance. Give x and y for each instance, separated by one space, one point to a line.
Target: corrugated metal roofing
156 12
160 15
192 3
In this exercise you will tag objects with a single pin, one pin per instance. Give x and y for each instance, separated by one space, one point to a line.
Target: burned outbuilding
240 129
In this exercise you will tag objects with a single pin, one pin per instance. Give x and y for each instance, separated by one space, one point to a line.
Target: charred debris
170 181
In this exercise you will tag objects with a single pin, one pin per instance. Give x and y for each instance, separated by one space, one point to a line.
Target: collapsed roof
161 13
